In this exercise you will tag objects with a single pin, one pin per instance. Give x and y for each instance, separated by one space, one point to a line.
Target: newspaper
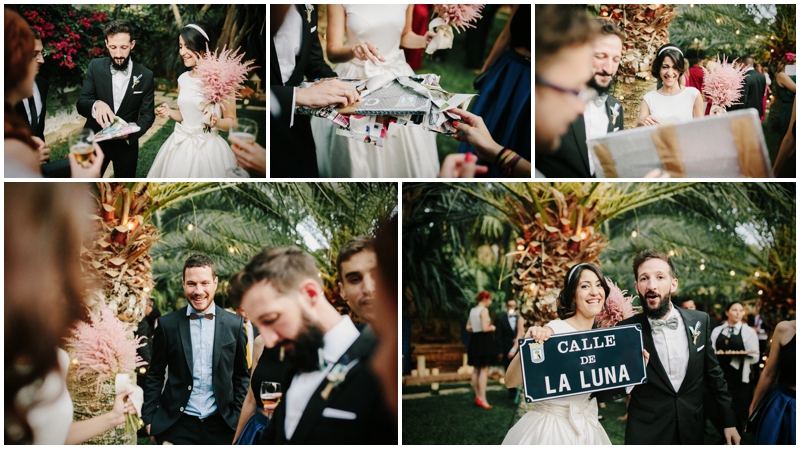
416 100
118 129
720 146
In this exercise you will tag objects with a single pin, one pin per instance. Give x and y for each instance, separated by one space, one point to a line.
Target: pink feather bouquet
448 17
618 307
222 74
723 85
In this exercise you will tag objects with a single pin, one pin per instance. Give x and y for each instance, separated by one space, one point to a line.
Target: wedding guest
785 90
754 87
281 289
507 162
510 328
671 103
480 353
785 162
384 360
38 408
419 25
775 406
763 70
475 42
203 346
504 102
688 304
563 66
250 156
603 115
34 109
21 149
356 268
696 75
735 335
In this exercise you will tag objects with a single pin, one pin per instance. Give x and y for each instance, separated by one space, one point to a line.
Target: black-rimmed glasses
585 95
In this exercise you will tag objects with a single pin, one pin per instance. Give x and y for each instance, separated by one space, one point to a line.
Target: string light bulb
733 273
190 227
634 234
520 247
702 266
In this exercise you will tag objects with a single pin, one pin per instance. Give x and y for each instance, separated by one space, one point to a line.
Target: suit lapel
108 85
136 70
275 66
690 323
609 114
218 317
650 346
580 141
186 338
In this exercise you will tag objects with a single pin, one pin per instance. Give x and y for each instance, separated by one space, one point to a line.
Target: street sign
582 362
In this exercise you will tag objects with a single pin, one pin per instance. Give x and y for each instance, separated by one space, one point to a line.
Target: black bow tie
194 316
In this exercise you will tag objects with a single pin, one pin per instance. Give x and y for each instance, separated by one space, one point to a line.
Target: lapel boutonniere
336 376
309 8
615 113
136 81
696 333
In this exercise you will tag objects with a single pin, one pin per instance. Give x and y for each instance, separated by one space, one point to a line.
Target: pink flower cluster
222 74
618 307
459 15
104 347
724 83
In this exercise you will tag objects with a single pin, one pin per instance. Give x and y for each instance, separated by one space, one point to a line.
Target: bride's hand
650 120
429 37
367 51
539 333
212 121
163 110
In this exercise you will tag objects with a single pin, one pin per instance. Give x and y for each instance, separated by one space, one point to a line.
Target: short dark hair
674 53
748 60
558 27
644 256
199 260
283 267
117 27
731 304
37 35
607 27
565 306
351 248
194 39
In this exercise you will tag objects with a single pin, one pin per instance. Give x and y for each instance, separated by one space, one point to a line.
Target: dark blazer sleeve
88 92
147 109
155 377
241 374
316 66
715 381
500 336
44 87
621 119
284 96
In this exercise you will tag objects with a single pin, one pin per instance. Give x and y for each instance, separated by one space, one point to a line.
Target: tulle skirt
191 153
572 420
254 429
778 417
505 106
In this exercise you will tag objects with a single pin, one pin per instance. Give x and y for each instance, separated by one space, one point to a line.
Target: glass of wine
80 144
269 392
244 129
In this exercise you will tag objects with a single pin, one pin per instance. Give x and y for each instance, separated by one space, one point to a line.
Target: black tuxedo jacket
359 395
138 104
504 335
656 409
172 348
43 86
299 160
571 160
753 92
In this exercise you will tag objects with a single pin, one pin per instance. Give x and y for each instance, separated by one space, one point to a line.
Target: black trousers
124 157
193 430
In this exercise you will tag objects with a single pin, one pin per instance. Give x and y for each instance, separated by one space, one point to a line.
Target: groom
117 86
668 409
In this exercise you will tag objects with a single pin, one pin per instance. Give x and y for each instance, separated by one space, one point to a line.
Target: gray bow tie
600 100
658 325
115 71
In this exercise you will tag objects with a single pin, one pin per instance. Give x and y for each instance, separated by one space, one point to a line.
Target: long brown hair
18 50
44 227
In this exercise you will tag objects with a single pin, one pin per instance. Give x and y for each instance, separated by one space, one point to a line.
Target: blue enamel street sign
582 362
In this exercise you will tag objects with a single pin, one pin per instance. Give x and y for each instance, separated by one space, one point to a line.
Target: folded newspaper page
119 129
416 100
721 146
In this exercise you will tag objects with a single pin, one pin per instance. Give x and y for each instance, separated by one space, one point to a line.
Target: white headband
191 25
662 50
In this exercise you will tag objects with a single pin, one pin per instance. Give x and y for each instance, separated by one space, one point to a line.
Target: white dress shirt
37 99
750 340
596 120
288 41
672 346
119 83
336 342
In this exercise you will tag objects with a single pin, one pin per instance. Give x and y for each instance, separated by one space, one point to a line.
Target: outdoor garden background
729 242
73 34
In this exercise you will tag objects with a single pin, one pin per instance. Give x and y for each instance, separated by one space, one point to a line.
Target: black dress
482 349
269 368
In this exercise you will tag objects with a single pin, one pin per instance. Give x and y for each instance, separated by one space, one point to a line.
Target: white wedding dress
408 151
189 152
567 420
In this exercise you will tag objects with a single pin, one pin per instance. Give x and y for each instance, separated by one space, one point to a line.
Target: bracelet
506 161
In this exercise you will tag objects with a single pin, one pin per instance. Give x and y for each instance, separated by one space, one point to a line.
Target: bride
573 419
375 34
191 152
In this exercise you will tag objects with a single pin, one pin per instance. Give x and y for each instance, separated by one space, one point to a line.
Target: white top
51 419
672 109
336 342
475 319
750 340
672 346
596 121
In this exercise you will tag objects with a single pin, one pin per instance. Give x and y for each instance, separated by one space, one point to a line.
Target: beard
120 66
600 89
305 353
657 312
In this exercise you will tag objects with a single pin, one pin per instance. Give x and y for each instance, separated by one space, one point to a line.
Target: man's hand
251 157
103 114
732 435
42 149
326 93
152 438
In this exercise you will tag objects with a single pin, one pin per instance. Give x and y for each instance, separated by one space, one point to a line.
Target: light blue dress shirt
201 402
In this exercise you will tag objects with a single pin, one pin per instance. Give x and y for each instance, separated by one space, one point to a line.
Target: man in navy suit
118 86
204 348
754 86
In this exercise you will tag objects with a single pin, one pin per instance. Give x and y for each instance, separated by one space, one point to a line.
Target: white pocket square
701 348
314 29
615 129
134 92
338 414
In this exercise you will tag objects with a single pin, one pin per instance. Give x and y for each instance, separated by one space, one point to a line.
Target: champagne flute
244 129
80 144
269 392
